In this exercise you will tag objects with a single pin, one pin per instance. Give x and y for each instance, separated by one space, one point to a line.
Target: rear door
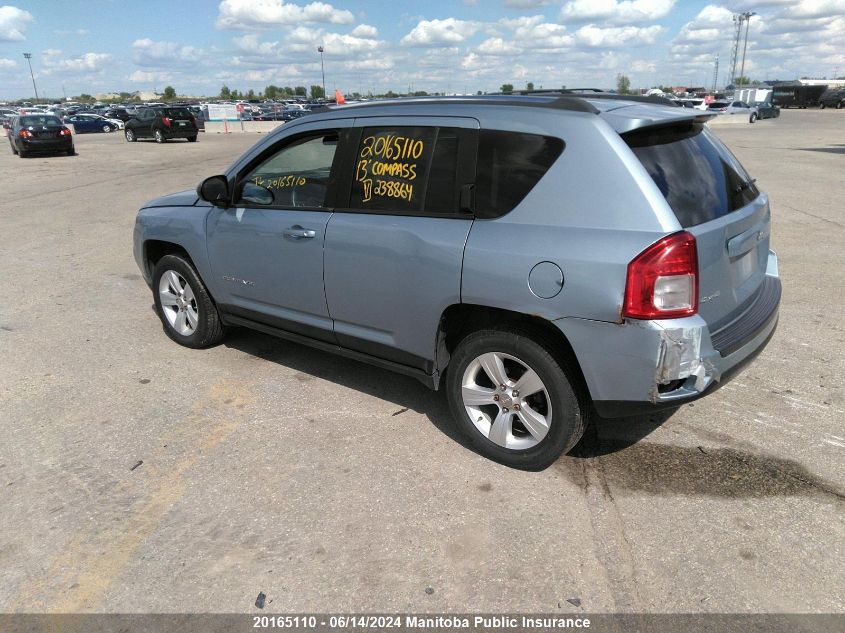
394 251
716 200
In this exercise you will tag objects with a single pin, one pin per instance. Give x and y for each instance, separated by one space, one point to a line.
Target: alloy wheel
178 303
506 400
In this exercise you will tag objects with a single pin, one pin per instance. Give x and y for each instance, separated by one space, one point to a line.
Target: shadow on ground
627 459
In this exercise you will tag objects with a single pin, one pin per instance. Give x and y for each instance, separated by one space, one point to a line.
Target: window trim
331 188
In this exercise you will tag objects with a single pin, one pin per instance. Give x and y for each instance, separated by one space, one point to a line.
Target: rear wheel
12 144
130 136
821 106
71 151
752 118
192 139
516 402
22 152
839 106
183 304
159 136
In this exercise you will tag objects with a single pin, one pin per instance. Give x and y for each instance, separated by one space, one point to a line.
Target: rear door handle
296 232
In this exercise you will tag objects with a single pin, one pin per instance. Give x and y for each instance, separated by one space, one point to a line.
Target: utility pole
29 61
747 17
737 18
715 72
322 69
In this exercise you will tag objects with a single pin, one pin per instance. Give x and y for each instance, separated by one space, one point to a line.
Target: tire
22 153
107 128
839 105
14 150
752 118
159 136
205 328
192 139
71 151
559 403
130 136
821 106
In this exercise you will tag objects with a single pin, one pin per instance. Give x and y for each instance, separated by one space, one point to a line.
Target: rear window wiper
746 184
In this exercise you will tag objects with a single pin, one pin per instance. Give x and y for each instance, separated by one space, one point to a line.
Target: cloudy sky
374 45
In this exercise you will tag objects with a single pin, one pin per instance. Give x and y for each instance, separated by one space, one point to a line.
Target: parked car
833 99
447 239
91 123
32 133
735 107
117 113
767 111
161 124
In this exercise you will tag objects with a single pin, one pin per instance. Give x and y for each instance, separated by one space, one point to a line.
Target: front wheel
821 106
516 402
107 128
752 118
839 106
159 136
130 136
184 305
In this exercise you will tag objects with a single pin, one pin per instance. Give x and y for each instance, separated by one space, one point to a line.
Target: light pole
322 70
29 61
747 17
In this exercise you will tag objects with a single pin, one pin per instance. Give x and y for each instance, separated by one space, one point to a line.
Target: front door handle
296 232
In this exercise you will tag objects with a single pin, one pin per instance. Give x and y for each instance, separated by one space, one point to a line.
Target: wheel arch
154 250
460 320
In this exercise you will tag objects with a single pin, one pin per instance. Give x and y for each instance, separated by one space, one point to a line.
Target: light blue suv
538 257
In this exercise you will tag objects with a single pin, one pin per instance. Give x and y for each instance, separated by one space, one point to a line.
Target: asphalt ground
330 485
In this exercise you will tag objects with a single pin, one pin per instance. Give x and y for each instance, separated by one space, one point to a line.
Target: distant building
830 83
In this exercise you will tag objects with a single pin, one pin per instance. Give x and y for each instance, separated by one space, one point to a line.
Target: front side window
296 176
410 169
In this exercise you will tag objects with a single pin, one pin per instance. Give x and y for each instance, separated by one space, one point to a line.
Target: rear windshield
175 113
699 177
29 120
719 104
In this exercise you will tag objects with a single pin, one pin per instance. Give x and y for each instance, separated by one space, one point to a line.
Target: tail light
662 281
194 121
166 121
64 132
25 134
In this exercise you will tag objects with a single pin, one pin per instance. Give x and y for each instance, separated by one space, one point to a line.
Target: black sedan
31 133
767 111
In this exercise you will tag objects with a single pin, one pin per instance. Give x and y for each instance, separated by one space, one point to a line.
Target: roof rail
571 102
595 93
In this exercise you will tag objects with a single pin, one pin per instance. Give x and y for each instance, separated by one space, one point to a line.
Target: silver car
540 258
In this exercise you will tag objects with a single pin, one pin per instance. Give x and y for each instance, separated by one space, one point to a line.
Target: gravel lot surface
329 485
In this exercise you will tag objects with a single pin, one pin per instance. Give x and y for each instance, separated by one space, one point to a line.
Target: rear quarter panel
594 210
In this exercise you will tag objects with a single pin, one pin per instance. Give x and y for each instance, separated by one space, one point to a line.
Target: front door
266 250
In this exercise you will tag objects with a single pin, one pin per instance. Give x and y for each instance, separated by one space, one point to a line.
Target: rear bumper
179 132
46 144
642 366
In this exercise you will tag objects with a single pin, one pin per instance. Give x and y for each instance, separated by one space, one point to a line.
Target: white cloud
13 23
55 61
612 37
365 31
616 12
525 4
440 32
7 63
148 77
268 14
146 52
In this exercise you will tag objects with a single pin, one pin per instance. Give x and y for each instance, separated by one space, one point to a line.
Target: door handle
296 232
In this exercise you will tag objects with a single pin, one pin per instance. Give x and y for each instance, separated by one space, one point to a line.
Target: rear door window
408 169
699 177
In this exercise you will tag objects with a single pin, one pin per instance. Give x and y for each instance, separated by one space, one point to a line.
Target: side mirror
256 194
215 190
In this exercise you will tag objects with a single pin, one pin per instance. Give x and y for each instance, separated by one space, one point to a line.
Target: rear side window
175 113
699 177
509 165
409 170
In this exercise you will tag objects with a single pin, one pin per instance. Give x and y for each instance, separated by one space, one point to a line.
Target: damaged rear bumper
642 366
